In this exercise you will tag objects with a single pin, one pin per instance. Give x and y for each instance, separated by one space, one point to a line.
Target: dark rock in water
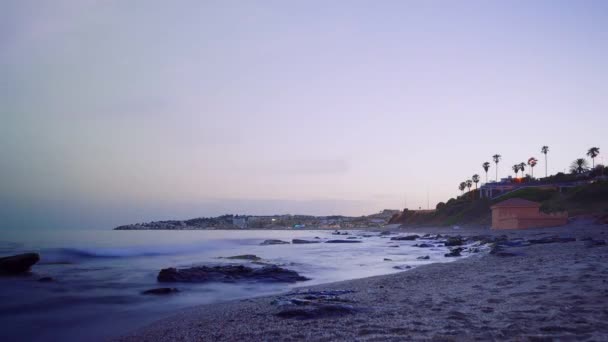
426 257
394 246
46 279
229 274
552 239
245 257
300 241
453 241
342 241
20 263
402 267
387 259
423 245
352 238
595 243
160 291
386 232
274 242
455 252
339 233
405 238
318 311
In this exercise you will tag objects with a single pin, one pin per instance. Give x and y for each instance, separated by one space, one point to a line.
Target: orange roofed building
517 213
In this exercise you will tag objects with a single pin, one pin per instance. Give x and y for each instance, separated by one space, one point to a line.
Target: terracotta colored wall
522 218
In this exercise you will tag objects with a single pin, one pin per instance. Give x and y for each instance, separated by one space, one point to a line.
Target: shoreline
548 290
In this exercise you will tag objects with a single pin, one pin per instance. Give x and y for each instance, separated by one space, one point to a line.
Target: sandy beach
534 289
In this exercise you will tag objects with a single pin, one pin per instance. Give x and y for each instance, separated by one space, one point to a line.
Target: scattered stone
453 241
425 257
595 243
274 242
19 263
352 237
46 279
394 246
300 241
454 252
405 238
424 245
387 259
402 267
342 241
245 257
229 274
160 291
386 232
552 239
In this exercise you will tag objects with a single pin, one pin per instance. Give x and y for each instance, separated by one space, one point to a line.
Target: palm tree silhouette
579 165
532 162
515 169
496 158
544 150
593 152
522 167
475 179
486 167
462 186
469 185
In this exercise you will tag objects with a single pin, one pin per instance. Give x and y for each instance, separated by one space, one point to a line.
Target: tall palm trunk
545 165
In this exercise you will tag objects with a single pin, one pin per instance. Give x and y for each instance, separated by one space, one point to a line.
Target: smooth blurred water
99 274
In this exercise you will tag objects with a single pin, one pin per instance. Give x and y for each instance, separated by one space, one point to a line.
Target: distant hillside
589 199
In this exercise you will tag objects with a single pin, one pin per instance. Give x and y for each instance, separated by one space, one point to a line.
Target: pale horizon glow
116 112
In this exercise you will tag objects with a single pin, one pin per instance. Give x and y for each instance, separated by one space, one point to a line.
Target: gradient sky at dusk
116 112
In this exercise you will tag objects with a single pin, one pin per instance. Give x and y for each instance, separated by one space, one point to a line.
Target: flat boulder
300 241
244 257
405 238
274 242
424 257
19 263
343 241
229 274
424 245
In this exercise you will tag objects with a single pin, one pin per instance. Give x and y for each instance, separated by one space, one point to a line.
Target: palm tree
532 162
486 167
515 169
475 179
544 150
496 158
593 152
522 167
579 165
462 186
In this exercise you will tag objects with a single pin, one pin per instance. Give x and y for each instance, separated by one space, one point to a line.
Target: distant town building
517 213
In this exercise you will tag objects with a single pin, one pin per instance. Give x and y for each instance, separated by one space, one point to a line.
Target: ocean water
99 275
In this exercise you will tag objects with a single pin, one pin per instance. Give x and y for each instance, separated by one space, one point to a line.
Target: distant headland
269 222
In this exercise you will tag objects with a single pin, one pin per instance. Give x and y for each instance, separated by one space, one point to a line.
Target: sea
99 276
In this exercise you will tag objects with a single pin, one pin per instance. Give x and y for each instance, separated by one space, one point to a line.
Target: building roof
516 203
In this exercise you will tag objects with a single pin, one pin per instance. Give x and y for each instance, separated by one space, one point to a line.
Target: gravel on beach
550 289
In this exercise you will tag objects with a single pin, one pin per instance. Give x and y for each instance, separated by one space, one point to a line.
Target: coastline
542 291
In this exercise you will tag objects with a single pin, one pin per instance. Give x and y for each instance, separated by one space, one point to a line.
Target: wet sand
537 292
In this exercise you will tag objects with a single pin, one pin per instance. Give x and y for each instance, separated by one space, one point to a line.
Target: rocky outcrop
229 274
405 238
300 241
244 257
274 242
454 252
17 264
454 241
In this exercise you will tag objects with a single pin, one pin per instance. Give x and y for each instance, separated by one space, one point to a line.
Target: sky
115 112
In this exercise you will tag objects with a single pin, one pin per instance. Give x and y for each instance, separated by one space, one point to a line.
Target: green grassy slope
588 199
